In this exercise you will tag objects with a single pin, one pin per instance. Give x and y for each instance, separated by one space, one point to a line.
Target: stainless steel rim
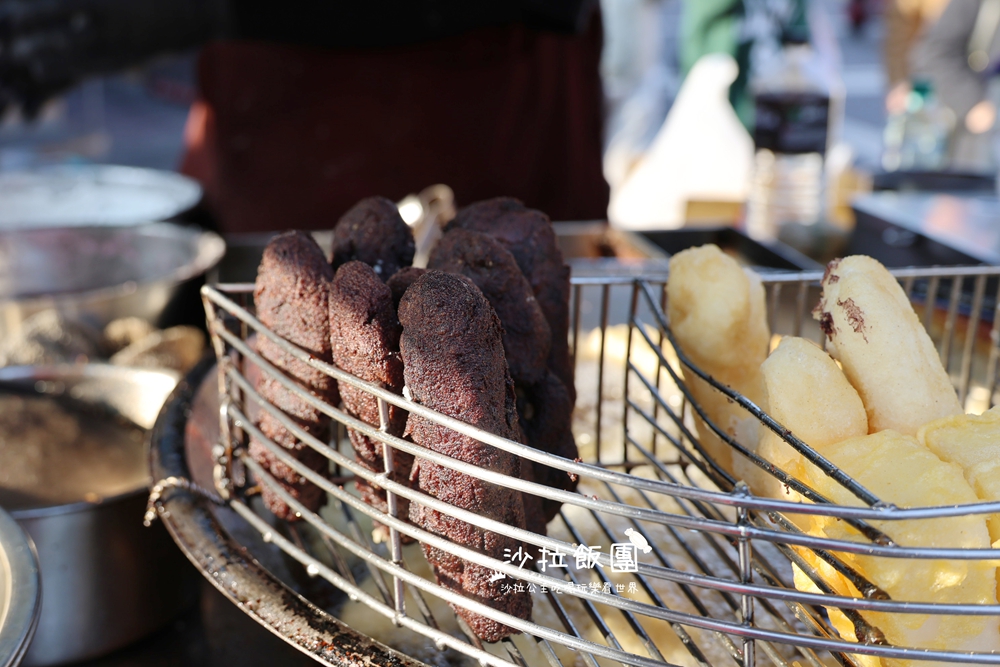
19 613
63 372
209 249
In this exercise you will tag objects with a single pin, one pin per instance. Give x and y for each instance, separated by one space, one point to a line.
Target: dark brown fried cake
365 334
401 281
546 413
530 238
374 233
481 258
453 362
291 299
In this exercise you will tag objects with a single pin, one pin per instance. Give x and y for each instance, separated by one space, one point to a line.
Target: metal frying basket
714 585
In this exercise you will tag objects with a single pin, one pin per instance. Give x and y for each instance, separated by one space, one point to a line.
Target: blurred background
860 95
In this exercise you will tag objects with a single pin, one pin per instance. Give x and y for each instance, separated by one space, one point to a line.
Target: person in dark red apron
306 108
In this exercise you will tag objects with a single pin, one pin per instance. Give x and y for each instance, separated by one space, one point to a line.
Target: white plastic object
701 153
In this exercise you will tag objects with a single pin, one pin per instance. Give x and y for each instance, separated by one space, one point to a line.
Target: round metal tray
180 447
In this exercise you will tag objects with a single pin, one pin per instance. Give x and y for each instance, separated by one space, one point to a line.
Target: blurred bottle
916 139
792 105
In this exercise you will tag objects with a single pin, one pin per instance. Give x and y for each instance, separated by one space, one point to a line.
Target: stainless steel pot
19 591
93 194
97 274
107 580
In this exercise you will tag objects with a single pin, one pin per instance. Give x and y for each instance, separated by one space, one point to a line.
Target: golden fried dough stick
719 320
900 470
884 349
807 393
972 442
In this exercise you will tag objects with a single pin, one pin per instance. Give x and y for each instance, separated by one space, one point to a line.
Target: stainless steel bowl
97 274
107 579
93 194
19 591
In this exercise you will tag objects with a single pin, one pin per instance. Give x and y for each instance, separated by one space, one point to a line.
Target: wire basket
708 579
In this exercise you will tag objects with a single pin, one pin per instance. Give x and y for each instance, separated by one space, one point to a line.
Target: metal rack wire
715 586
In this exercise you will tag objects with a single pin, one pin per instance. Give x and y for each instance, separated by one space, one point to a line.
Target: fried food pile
719 320
365 331
292 296
480 335
452 355
882 409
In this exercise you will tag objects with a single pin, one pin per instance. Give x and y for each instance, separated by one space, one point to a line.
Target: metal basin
97 274
19 591
107 580
93 194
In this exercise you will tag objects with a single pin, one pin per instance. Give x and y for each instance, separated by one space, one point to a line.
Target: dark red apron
290 137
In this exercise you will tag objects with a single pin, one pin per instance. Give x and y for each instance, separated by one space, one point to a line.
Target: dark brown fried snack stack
529 236
291 299
546 412
374 233
401 281
453 362
482 259
545 402
365 332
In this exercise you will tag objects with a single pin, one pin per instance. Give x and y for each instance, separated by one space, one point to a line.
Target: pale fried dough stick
884 349
807 393
900 470
719 320
972 442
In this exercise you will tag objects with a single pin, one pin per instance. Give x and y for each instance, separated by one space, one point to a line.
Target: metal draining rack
715 587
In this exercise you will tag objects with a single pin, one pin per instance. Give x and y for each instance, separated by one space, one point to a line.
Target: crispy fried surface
454 363
900 470
807 393
365 332
481 258
719 319
374 233
546 413
401 281
291 298
530 238
972 442
884 349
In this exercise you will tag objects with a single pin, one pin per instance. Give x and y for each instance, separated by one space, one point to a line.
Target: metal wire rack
715 586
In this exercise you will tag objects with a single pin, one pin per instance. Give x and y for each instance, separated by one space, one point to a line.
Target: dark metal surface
927 229
106 195
773 256
191 520
212 633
